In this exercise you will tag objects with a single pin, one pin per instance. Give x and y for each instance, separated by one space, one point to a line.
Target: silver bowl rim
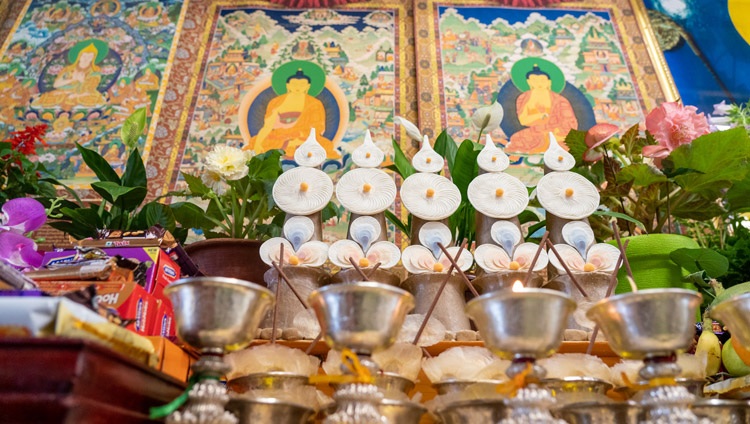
406 403
734 299
268 401
367 285
460 381
394 376
501 294
652 292
595 404
721 402
574 379
473 402
271 374
220 281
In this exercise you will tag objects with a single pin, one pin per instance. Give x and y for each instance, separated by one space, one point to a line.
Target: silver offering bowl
268 410
272 380
214 315
599 413
735 314
694 386
586 385
389 382
401 412
653 325
473 412
364 318
524 325
723 411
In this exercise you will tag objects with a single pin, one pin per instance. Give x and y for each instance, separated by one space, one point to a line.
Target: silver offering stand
363 318
214 315
524 325
653 325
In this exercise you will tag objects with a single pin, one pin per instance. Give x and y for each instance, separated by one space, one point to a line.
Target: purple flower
22 215
19 251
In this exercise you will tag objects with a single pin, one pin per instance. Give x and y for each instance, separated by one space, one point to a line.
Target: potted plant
668 179
239 211
121 206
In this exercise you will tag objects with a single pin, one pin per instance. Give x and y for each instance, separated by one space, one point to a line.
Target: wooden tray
81 371
51 409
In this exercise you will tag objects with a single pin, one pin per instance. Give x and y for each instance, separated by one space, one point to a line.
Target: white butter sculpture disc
368 155
427 159
430 196
498 195
567 195
366 191
556 158
492 158
302 191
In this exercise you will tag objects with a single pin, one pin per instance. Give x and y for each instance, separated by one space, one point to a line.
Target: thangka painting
265 76
82 67
567 66
270 75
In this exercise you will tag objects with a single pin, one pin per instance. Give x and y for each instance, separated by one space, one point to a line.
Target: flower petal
341 250
491 258
465 261
524 254
19 251
270 250
603 256
313 253
417 259
411 129
489 117
570 255
23 215
385 252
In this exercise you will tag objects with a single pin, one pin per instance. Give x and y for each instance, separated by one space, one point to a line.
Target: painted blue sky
486 15
279 16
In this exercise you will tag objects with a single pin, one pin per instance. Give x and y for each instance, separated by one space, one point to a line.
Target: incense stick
437 296
359 270
616 230
314 343
289 283
542 242
276 303
455 266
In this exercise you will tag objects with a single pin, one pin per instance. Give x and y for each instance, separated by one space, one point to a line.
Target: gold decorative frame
648 68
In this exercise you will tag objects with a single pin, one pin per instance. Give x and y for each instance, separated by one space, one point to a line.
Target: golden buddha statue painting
293 109
76 86
540 108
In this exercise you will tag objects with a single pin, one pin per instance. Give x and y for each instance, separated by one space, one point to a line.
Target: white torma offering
310 153
458 363
567 195
302 190
498 195
492 158
363 248
299 249
366 191
581 253
576 365
428 257
510 254
429 196
556 158
427 159
270 357
368 155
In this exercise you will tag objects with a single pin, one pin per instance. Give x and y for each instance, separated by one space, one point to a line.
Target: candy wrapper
48 316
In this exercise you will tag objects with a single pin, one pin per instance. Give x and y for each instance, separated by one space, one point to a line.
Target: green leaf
128 198
695 260
465 169
135 172
619 215
738 196
693 206
330 211
528 216
446 147
731 292
718 158
98 164
534 228
402 165
195 185
156 213
633 143
576 142
393 219
74 229
266 166
133 127
641 175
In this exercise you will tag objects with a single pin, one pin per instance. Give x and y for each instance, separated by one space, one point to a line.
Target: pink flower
673 125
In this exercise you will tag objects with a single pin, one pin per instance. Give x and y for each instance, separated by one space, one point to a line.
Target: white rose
229 162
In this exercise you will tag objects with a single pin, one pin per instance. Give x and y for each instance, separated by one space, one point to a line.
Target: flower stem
243 208
237 218
219 206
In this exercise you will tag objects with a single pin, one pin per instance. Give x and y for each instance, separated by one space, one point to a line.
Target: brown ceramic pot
227 257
